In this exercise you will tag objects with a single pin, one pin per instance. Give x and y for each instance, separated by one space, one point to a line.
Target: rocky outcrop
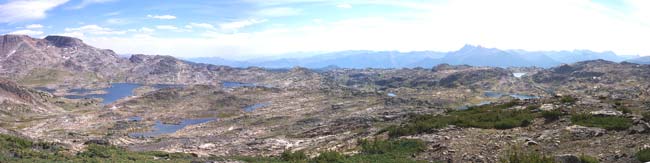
606 112
581 132
473 76
64 41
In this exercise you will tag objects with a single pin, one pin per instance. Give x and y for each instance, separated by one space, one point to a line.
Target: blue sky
242 29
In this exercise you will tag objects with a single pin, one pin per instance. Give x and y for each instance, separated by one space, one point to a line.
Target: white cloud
279 12
200 25
146 30
118 21
234 26
27 32
34 26
344 5
92 30
167 27
162 17
25 10
441 26
85 3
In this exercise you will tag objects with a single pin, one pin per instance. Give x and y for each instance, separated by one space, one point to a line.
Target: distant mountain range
640 60
468 55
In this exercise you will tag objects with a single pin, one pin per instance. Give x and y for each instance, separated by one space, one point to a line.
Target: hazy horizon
246 29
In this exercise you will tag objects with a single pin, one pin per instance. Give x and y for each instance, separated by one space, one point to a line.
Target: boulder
606 112
581 132
207 146
547 107
640 128
567 158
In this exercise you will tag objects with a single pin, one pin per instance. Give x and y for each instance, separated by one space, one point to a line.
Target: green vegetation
43 76
588 159
552 115
568 99
375 151
643 155
486 116
606 122
14 149
519 156
293 156
329 157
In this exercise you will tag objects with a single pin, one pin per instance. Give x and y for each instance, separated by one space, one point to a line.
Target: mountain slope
60 59
20 54
17 100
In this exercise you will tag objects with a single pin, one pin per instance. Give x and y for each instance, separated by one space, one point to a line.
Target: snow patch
11 53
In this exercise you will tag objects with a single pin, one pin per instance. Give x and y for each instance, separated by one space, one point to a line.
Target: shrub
588 159
329 157
402 146
519 156
293 156
568 99
101 151
643 155
532 107
506 124
606 122
486 116
552 115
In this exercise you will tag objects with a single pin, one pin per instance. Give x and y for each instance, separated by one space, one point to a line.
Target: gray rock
567 158
581 132
547 107
607 112
640 128
531 143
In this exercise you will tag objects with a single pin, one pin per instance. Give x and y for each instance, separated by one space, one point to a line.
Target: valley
61 91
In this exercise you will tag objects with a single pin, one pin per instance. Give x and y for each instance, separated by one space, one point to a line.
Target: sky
247 29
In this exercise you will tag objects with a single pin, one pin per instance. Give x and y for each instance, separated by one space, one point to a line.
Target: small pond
45 89
256 106
161 128
517 96
227 84
115 92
